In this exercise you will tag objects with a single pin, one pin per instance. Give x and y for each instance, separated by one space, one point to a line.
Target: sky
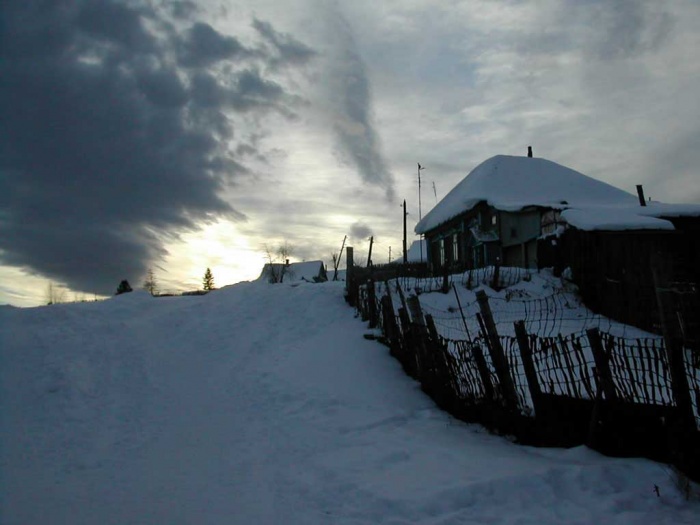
181 135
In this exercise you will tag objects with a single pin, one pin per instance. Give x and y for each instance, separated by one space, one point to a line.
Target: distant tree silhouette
150 283
123 287
54 294
282 254
208 281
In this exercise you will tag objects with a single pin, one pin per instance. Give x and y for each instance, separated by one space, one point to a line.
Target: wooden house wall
613 270
519 228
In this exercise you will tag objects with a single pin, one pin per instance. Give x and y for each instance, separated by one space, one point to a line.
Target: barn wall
613 270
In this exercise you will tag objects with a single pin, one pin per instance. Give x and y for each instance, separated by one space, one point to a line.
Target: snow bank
264 404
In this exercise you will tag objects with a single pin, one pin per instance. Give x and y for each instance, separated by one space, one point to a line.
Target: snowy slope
263 404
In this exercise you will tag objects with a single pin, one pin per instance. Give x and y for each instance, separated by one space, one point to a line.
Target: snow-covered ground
263 404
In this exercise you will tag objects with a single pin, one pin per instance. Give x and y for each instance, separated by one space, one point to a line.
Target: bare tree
150 283
54 294
278 261
284 251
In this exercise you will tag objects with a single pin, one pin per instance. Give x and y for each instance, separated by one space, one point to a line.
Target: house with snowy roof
307 271
506 204
534 213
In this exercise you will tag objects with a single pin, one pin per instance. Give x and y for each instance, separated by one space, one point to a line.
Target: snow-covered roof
512 183
415 254
608 219
653 216
300 271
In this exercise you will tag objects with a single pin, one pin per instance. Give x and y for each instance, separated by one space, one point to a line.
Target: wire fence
523 353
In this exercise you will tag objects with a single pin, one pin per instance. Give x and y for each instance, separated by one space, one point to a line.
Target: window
493 220
442 252
455 247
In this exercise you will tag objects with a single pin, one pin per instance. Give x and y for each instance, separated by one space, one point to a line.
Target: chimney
529 151
640 194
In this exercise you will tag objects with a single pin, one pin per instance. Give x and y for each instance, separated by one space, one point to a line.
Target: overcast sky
181 135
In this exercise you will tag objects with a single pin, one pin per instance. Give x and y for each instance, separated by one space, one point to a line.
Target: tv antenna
420 211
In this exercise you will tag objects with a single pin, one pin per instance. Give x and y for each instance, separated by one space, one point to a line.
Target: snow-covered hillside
263 404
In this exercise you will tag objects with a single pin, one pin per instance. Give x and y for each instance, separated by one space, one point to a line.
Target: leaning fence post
483 369
498 356
601 364
388 316
420 331
528 364
495 284
371 304
445 389
350 288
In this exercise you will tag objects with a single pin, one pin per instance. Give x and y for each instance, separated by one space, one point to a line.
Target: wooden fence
623 397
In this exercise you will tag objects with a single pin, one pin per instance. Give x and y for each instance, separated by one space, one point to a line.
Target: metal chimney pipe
529 151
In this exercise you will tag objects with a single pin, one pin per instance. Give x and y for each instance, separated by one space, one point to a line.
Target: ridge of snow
591 219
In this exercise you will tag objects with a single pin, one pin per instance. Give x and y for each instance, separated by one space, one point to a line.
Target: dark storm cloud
203 46
182 8
290 50
105 143
115 24
358 141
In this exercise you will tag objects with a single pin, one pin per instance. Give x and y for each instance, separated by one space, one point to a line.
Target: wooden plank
601 362
371 304
674 349
583 367
483 369
528 364
644 353
497 355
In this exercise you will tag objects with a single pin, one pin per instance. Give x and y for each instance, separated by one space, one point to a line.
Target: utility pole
337 261
405 253
369 255
389 254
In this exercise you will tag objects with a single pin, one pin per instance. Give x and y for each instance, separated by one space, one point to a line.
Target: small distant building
310 271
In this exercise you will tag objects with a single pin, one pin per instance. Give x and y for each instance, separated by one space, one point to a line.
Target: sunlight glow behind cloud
177 120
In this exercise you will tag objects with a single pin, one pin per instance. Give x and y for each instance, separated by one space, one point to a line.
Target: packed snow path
263 404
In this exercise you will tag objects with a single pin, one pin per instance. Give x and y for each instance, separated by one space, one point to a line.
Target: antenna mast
420 212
